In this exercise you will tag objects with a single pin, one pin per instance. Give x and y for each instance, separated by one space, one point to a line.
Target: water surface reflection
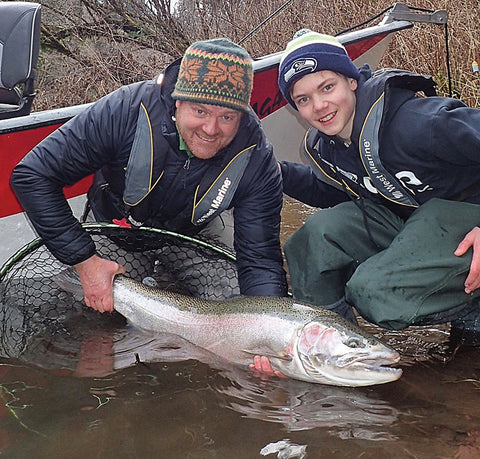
93 387
104 389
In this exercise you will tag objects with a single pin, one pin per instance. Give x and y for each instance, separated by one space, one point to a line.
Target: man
174 153
398 179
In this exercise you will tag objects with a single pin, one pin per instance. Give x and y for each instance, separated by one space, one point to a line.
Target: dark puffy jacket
99 140
430 145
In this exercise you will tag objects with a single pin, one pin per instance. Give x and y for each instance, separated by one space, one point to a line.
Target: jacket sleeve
257 207
75 150
301 183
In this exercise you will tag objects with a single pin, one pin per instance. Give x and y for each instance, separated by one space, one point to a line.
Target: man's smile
206 139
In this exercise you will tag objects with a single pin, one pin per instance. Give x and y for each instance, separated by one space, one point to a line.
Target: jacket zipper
186 167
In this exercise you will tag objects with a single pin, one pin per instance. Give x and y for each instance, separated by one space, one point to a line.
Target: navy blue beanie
311 52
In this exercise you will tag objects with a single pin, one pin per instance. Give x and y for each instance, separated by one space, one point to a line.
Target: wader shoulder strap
386 184
323 170
220 192
142 173
374 95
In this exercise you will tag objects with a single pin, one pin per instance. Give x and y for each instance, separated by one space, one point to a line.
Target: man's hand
472 239
96 276
262 368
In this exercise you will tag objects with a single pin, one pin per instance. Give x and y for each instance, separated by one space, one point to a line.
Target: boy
398 179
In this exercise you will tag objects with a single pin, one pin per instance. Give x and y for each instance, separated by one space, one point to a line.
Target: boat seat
19 47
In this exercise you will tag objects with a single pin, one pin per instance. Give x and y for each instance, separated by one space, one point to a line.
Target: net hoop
92 228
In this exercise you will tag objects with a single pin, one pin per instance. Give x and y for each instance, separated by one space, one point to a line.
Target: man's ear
353 84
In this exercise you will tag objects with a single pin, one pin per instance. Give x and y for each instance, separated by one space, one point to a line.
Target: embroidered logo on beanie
310 52
217 72
301 65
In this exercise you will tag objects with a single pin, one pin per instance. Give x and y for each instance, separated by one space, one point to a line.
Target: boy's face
326 100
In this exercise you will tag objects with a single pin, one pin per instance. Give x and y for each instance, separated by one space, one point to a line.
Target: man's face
326 100
206 129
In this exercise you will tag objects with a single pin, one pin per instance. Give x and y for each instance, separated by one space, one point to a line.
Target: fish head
339 353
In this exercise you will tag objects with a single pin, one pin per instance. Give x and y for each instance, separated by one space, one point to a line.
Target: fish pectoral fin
269 353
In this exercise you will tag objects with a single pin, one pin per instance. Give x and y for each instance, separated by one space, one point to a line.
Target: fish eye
354 343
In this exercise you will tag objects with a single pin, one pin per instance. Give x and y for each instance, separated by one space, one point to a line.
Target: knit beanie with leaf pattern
216 72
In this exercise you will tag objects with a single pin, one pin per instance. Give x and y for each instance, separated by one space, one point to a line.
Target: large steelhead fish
302 341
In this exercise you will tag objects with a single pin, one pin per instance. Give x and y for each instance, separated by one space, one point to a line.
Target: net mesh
33 304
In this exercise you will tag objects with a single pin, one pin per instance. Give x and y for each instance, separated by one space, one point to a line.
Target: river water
100 389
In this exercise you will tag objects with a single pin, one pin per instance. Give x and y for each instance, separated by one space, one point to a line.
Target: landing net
32 303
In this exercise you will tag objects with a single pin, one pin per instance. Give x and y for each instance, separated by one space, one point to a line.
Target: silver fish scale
303 342
281 307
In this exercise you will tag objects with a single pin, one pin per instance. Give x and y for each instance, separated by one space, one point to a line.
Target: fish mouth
353 370
377 366
377 363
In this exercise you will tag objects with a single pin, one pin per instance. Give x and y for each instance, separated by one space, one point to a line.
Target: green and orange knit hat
216 72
